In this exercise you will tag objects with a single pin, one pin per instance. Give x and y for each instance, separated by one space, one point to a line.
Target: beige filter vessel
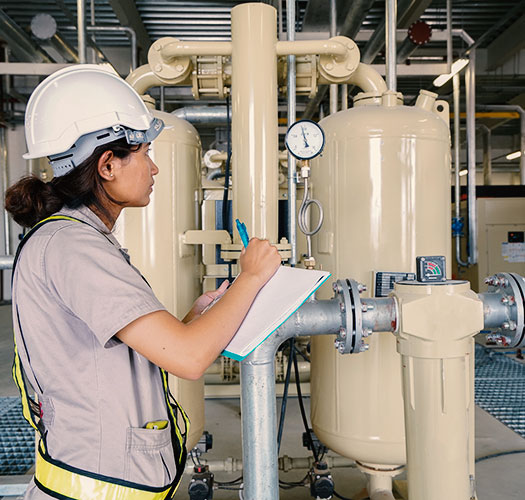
153 238
384 183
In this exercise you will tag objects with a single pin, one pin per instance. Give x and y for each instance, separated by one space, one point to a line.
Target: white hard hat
89 102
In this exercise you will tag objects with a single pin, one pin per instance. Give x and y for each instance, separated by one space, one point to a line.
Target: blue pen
243 233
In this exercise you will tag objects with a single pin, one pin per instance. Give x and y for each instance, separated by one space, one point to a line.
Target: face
131 179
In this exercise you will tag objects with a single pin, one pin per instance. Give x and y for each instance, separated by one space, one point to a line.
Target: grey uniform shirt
74 290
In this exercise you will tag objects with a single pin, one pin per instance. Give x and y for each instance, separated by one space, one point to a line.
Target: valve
321 482
457 226
201 483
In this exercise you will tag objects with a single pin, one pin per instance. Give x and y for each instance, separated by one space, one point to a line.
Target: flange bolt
361 288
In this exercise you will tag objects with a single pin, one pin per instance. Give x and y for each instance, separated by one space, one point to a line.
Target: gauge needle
304 138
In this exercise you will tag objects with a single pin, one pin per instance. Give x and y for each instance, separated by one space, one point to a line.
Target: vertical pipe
391 23
449 36
93 22
81 31
470 85
487 153
5 184
162 98
280 16
259 436
344 96
254 119
333 32
522 146
292 116
457 166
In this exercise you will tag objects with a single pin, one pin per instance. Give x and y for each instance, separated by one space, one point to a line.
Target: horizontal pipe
307 47
178 48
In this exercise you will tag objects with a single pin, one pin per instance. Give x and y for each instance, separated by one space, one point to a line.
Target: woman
89 331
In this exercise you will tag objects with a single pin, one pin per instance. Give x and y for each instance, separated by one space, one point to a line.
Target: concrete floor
500 478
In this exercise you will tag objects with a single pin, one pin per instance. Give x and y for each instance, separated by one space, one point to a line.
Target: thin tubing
285 396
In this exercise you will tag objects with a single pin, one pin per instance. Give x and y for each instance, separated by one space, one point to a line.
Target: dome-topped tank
152 235
384 183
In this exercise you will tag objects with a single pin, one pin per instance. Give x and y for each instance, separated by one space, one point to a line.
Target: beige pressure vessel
153 238
384 183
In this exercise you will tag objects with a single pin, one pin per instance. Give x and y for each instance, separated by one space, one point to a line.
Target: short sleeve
94 282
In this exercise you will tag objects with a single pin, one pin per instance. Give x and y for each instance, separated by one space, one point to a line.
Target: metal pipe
143 78
259 443
470 85
211 116
333 32
162 99
5 184
308 47
487 152
292 116
457 184
6 261
255 143
449 36
178 48
129 31
390 40
81 31
344 96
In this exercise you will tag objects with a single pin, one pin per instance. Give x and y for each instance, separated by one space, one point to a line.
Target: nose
154 168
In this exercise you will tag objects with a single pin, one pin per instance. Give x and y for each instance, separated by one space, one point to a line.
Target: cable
285 396
301 406
500 454
226 483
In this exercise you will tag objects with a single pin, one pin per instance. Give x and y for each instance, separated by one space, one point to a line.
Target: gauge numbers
305 139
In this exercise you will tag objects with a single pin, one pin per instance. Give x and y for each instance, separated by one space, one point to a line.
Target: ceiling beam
128 15
20 43
511 41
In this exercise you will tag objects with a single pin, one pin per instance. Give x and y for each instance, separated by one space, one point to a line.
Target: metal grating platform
17 438
500 388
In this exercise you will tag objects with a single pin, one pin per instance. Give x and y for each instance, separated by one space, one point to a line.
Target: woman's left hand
204 301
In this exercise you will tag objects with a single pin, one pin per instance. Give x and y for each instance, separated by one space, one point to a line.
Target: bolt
364 307
490 280
158 47
512 325
361 288
329 66
341 348
512 300
342 333
366 332
505 325
337 343
364 347
334 286
179 67
158 68
504 300
503 282
342 307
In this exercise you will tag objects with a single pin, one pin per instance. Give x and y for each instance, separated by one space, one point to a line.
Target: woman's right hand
260 260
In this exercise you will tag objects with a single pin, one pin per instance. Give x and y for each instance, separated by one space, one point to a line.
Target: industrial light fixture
457 66
513 156
463 172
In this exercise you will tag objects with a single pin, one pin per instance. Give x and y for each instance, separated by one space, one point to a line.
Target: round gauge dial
305 139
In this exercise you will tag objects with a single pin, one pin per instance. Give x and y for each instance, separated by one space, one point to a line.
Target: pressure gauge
305 139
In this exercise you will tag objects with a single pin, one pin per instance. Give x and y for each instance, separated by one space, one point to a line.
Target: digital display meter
304 139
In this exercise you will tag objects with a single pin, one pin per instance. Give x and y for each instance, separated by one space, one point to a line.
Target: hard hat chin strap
63 163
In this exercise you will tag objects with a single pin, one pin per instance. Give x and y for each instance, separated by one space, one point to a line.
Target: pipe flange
336 68
509 288
168 70
350 337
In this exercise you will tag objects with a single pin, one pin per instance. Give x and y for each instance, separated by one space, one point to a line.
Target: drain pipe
521 111
292 116
457 223
390 41
81 31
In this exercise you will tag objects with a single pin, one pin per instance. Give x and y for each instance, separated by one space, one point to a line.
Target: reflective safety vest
62 481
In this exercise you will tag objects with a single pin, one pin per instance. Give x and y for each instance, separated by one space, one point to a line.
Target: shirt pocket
149 456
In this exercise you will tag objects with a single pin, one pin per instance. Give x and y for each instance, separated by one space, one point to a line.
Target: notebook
285 292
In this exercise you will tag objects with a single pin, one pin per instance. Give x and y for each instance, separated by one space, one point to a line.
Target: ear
106 165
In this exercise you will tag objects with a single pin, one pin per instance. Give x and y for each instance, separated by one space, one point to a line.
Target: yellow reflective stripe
18 378
174 417
78 486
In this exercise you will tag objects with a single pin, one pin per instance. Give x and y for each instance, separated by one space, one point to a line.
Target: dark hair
30 200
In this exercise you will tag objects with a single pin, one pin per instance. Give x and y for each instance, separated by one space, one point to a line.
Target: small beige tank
384 182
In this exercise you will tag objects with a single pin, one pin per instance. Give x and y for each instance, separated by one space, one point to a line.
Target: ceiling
494 24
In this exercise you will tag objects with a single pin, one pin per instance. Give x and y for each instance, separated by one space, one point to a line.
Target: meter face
305 139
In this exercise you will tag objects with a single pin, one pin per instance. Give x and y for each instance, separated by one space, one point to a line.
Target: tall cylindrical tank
153 238
384 182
